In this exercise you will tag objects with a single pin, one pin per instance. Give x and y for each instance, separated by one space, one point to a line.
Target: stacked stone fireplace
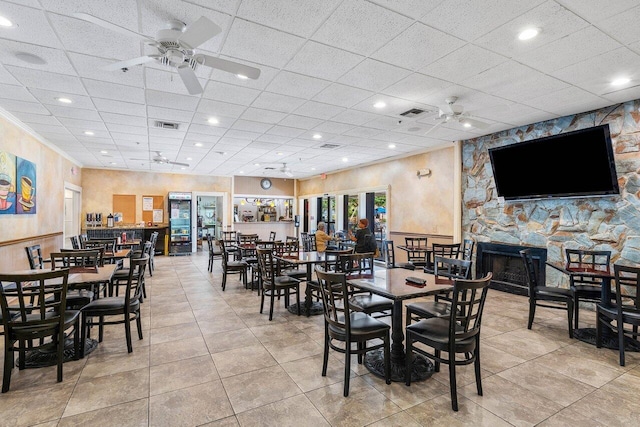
504 261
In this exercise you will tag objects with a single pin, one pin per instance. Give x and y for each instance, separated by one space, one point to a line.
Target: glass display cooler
179 223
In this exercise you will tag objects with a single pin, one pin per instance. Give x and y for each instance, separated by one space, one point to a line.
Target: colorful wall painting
7 183
26 186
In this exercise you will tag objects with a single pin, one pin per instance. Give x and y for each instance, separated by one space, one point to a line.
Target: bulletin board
149 204
125 203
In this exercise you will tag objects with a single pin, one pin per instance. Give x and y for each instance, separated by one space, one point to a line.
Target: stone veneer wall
602 223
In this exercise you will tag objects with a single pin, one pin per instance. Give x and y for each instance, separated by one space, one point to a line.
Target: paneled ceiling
324 64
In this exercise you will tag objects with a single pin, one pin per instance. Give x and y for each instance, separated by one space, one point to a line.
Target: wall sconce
423 172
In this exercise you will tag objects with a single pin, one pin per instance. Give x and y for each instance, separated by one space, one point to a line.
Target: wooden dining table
392 283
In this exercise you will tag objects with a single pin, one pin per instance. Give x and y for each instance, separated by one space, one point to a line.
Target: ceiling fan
176 46
455 113
159 159
284 169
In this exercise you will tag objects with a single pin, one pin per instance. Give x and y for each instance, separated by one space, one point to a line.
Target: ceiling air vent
329 146
413 112
166 125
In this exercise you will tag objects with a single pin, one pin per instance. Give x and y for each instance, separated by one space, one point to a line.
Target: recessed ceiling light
113 163
280 154
30 58
380 104
313 169
183 168
344 159
104 152
213 121
242 76
88 132
241 172
392 145
528 34
466 124
256 164
4 22
64 100
198 144
317 136
620 81
189 158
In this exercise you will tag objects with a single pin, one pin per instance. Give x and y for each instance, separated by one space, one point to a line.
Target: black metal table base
315 309
47 356
422 368
609 340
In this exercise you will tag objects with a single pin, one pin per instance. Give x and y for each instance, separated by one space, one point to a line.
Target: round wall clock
265 183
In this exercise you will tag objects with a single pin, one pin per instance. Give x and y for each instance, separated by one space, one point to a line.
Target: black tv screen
572 164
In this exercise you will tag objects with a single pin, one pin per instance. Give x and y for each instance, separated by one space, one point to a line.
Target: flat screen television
572 164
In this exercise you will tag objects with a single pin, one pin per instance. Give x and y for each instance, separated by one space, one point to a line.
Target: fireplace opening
504 261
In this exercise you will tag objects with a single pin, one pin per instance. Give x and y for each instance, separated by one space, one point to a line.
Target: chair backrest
135 279
247 238
449 250
229 236
452 268
34 303
587 260
468 298
530 271
154 241
34 255
416 242
76 260
267 266
223 249
75 242
335 299
356 265
389 254
108 244
627 290
466 250
272 236
333 259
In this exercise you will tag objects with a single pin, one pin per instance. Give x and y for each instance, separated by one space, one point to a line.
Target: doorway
72 209
209 213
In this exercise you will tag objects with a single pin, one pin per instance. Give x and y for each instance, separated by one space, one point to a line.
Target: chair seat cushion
436 329
429 309
294 273
110 304
550 290
362 323
367 303
285 280
593 291
237 264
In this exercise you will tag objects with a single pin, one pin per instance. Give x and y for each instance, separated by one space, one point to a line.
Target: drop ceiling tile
220 109
417 47
82 124
48 97
333 127
341 95
354 117
300 122
416 86
263 116
277 102
85 37
55 59
225 92
206 130
249 126
322 61
623 26
319 110
15 106
223 122
114 91
554 21
168 114
363 132
125 138
74 113
36 118
17 93
7 78
135 130
246 40
266 75
120 107
592 10
93 68
45 80
297 85
124 119
123 12
463 63
193 137
173 134
373 75
274 138
171 100
360 27
290 132
471 20
622 95
32 26
301 17
571 98
240 134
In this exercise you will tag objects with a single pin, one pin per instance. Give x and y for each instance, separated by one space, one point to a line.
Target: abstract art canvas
26 186
7 183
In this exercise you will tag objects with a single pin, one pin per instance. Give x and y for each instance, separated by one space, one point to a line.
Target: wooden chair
417 257
214 251
274 284
230 239
34 307
541 295
456 334
232 267
118 310
361 265
344 326
152 253
447 269
466 249
586 288
34 256
80 261
75 242
121 277
445 250
390 257
272 236
625 310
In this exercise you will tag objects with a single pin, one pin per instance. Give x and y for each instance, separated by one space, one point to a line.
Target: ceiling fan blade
434 127
229 66
128 63
474 123
110 26
189 79
179 164
199 32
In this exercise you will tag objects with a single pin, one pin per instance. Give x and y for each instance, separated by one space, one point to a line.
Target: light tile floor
210 358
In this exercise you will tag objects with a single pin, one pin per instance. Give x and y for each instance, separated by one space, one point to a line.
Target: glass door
179 223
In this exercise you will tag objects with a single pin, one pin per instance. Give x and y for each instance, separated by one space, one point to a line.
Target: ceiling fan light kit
455 113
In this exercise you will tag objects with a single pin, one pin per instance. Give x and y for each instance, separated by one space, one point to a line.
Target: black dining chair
34 256
541 295
390 257
416 257
458 334
240 267
625 310
344 326
445 250
75 242
273 284
586 288
35 316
